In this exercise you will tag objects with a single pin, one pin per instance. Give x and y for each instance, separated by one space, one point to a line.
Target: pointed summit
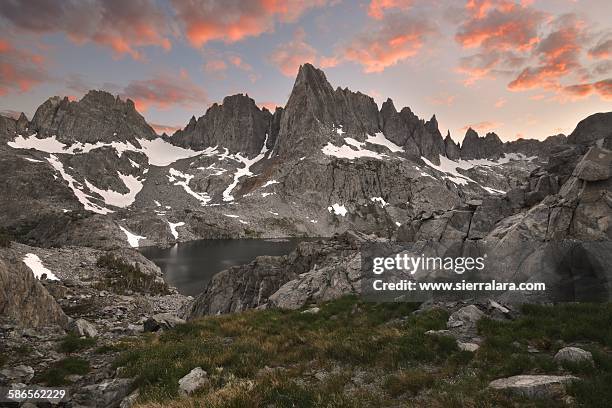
476 147
236 124
313 103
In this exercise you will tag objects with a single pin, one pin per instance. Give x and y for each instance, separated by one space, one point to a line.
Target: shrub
57 373
72 343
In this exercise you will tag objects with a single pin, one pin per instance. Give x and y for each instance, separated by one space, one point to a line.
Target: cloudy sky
529 68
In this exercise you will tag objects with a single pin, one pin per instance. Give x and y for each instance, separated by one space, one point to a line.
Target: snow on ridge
204 198
33 262
337 209
174 226
243 171
231 216
80 195
269 183
380 139
132 239
158 151
379 200
118 199
346 152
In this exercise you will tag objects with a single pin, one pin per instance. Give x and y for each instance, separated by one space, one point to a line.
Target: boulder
533 386
197 378
17 374
162 321
472 347
82 328
573 355
466 317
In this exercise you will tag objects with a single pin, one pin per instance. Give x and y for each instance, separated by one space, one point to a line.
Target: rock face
97 117
24 300
533 386
475 147
313 102
237 124
596 128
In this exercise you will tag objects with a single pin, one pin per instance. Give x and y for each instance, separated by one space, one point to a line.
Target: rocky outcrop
24 300
452 149
9 127
476 147
534 386
97 117
419 138
308 275
595 129
237 124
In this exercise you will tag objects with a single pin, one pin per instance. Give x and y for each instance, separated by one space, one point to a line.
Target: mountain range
328 161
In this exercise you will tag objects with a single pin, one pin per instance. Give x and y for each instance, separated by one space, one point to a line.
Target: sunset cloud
499 25
289 56
235 20
484 126
603 49
558 55
20 70
377 8
396 38
165 91
122 26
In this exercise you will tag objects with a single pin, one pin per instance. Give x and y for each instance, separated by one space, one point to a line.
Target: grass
72 343
354 354
56 374
124 277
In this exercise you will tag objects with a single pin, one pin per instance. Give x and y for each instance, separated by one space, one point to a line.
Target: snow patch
379 200
244 171
269 183
173 227
132 239
380 139
72 183
337 209
204 198
33 262
118 199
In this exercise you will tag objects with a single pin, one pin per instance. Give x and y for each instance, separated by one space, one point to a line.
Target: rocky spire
237 124
475 147
451 148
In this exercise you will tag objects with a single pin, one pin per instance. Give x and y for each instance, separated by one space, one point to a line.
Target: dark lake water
189 266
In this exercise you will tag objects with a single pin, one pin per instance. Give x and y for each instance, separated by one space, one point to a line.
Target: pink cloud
396 38
20 70
235 20
122 26
377 8
443 99
483 126
165 91
289 56
500 103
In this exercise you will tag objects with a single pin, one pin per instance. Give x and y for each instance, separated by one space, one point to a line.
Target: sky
529 68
